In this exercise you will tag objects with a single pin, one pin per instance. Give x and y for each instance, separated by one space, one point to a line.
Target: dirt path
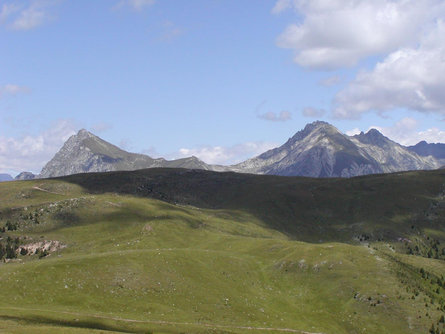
172 323
47 191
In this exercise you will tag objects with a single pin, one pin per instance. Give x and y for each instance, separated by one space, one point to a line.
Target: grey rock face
320 150
391 156
86 153
25 176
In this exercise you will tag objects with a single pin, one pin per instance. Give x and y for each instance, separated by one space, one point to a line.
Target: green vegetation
175 251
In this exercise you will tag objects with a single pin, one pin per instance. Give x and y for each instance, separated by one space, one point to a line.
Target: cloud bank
337 33
30 153
226 155
410 78
407 36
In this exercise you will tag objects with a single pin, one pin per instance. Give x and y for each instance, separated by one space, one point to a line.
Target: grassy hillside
174 251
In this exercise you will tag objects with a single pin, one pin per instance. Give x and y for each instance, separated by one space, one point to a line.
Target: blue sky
220 79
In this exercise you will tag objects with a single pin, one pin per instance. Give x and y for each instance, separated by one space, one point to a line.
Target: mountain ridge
318 150
86 153
321 150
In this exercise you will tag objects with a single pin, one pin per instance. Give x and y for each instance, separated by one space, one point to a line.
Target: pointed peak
314 128
373 136
319 126
84 134
374 132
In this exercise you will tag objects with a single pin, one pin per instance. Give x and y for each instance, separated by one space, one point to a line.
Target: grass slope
227 264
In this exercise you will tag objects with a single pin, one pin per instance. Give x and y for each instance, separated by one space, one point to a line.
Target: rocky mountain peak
319 126
372 137
84 134
313 129
85 153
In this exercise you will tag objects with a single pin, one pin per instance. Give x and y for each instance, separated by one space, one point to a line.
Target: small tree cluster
8 251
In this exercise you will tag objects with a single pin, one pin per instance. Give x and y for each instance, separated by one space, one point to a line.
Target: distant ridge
424 149
319 150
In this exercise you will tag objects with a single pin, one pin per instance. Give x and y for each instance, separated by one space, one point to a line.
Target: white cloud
30 153
353 132
406 132
26 15
338 33
313 112
283 116
226 155
281 6
10 89
410 78
137 5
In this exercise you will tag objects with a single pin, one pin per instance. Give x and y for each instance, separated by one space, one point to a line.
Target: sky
224 80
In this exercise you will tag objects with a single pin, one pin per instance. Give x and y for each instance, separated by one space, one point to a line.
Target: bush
43 254
10 252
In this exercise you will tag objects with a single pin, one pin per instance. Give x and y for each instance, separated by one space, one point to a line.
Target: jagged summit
314 127
321 150
83 133
373 136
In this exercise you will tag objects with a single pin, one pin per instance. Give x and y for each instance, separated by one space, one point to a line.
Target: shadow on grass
86 324
303 208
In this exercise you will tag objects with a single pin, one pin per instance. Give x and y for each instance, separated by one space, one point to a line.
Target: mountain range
319 150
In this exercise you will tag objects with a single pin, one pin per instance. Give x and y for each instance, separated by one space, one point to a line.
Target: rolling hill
189 251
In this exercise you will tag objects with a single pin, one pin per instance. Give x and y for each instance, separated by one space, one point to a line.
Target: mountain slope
320 150
86 153
127 263
391 156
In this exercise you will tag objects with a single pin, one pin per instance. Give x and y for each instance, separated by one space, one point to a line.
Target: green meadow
167 251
